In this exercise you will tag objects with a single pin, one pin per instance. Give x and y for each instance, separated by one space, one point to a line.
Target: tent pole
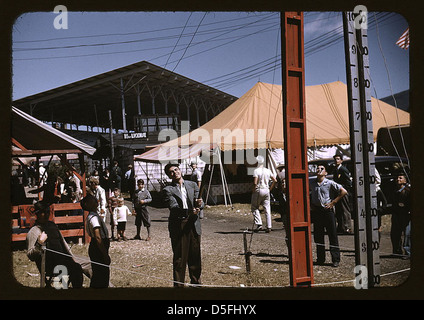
210 181
223 188
225 182
228 191
226 185
147 176
222 179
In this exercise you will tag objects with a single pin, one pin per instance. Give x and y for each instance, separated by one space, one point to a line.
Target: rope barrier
205 285
226 286
341 247
111 267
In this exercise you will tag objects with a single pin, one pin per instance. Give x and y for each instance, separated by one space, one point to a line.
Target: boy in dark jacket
142 197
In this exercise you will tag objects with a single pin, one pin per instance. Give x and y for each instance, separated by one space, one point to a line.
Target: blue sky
230 51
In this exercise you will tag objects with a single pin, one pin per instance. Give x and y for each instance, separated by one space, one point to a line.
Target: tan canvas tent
255 121
37 136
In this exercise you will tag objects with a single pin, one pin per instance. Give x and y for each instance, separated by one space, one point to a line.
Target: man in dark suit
115 176
341 175
182 199
401 212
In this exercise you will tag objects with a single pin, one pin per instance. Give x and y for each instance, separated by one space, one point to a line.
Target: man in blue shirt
324 196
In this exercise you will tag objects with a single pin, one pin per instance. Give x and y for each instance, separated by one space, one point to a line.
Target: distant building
142 98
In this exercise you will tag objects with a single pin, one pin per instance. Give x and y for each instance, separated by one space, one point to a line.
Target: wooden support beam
295 151
18 144
22 153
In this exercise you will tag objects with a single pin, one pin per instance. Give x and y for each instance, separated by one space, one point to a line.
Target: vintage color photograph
211 149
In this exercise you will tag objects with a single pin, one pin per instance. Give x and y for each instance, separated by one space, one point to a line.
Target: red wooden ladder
295 153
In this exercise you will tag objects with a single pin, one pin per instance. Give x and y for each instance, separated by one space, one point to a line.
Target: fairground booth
40 152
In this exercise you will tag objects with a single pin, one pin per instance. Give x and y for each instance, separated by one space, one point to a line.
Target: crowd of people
59 184
330 200
331 207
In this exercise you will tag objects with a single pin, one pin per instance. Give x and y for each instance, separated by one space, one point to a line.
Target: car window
390 168
384 168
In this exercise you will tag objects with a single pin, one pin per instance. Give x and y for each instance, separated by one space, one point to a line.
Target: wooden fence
24 218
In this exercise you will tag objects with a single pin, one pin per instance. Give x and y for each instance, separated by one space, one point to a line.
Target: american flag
403 41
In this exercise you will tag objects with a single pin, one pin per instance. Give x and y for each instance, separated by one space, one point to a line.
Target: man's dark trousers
186 251
325 220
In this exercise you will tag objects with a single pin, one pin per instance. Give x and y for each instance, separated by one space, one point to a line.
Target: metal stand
362 148
247 253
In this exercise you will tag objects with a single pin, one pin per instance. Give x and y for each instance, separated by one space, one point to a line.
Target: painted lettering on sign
135 135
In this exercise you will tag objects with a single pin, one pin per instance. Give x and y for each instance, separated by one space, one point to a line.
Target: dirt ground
140 263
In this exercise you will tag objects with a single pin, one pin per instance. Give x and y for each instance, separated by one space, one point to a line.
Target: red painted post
295 152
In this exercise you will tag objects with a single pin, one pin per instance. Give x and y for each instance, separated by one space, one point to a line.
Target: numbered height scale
362 149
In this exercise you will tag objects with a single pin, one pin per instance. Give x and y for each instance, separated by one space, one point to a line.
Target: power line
125 51
157 38
194 34
182 32
247 25
226 29
140 32
229 42
396 108
323 37
235 80
312 46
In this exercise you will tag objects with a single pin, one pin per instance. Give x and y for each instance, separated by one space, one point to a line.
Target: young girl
120 218
112 204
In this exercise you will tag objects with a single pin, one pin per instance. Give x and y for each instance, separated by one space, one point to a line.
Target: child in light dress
112 204
120 214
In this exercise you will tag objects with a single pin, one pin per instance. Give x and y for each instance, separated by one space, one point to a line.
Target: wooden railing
27 219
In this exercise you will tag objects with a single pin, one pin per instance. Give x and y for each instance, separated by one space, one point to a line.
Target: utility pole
362 146
124 116
95 113
295 153
112 150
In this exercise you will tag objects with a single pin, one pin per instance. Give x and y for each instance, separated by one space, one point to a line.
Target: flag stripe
403 41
